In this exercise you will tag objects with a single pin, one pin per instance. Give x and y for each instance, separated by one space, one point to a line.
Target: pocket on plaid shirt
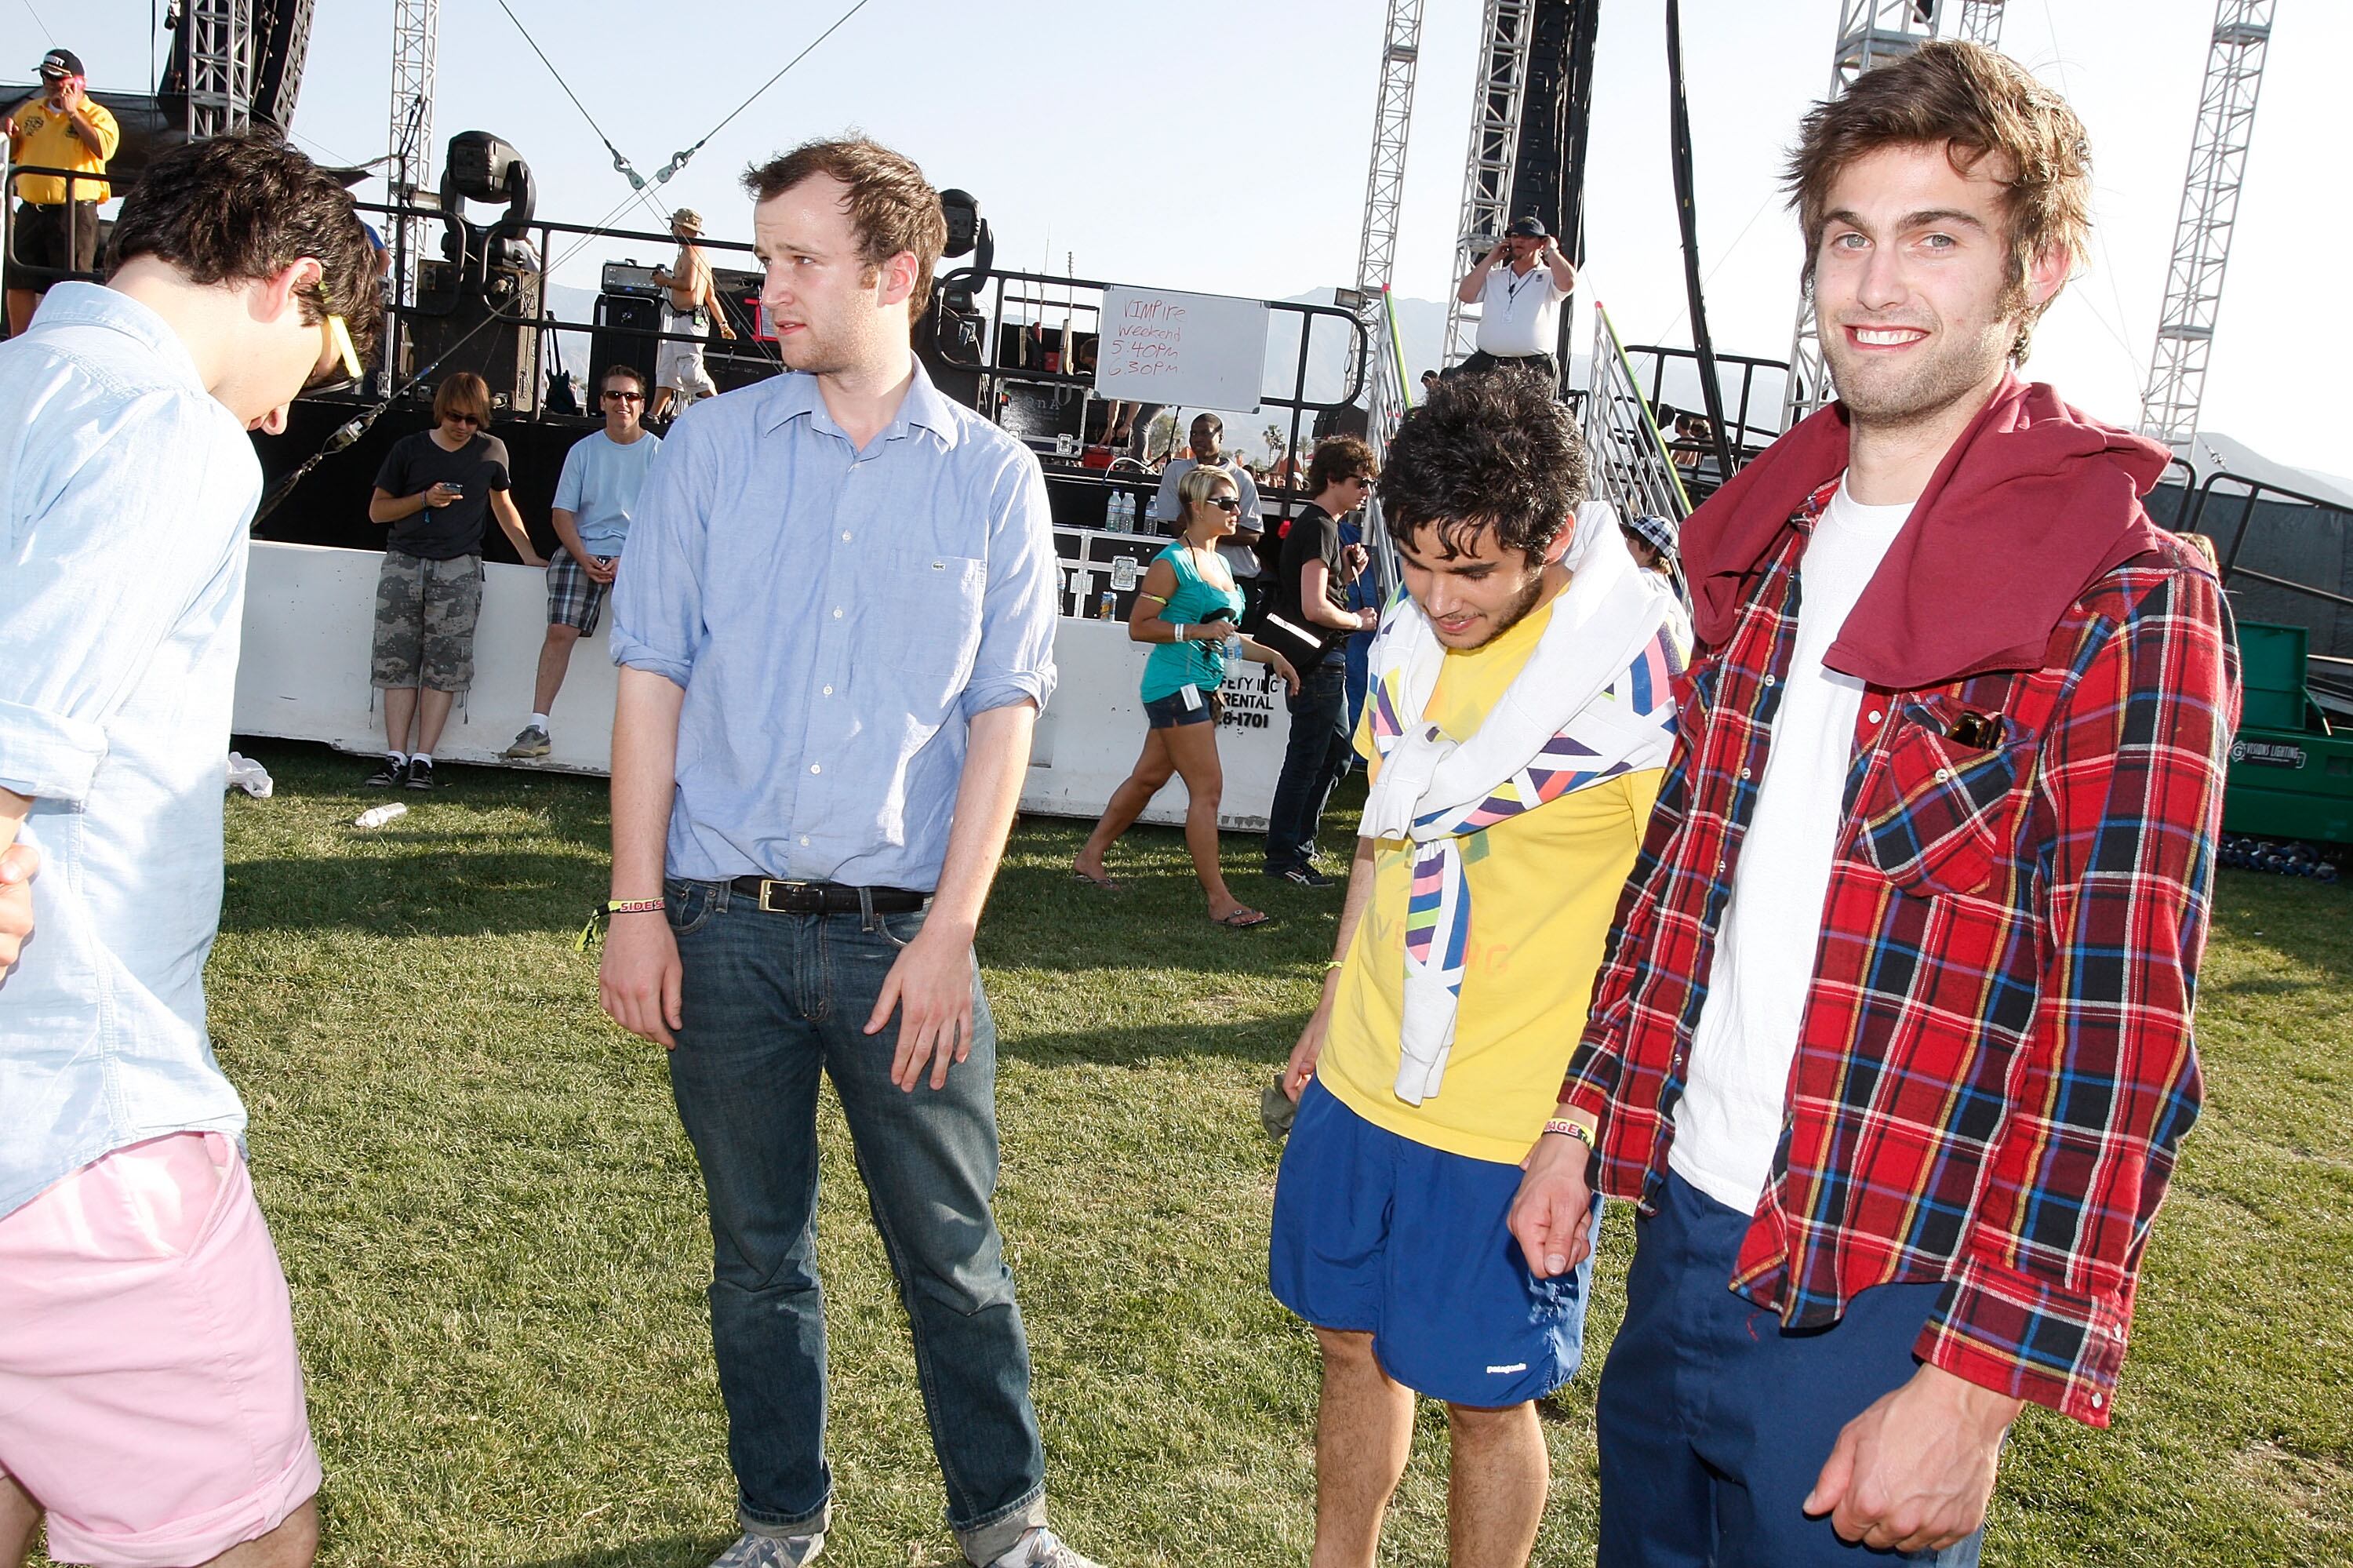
1940 816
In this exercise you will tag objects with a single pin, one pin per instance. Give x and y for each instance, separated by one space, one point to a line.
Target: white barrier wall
304 676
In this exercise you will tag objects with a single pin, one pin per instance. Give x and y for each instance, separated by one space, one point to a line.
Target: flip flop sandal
1101 884
1241 919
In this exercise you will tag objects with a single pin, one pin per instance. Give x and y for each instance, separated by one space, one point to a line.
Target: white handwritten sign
1198 350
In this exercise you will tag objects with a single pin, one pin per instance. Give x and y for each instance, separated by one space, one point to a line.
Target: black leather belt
777 896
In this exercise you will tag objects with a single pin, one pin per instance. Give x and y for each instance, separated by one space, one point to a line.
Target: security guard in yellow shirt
61 127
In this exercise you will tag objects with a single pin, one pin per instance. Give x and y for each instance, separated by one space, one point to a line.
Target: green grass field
495 1235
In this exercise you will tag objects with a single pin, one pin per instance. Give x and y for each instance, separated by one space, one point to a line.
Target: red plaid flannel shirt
1995 1066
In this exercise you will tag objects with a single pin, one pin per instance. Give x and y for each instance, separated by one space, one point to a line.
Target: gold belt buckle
769 883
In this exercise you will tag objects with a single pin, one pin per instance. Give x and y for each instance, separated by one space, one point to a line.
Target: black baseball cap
1530 228
61 62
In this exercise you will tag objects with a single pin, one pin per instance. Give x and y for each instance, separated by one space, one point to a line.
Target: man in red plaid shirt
1894 1036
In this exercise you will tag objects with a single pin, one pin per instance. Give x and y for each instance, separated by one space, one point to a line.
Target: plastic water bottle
377 816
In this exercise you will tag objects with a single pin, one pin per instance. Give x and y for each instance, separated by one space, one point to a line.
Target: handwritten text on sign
1201 350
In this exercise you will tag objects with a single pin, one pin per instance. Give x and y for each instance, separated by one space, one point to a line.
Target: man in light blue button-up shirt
147 1361
835 625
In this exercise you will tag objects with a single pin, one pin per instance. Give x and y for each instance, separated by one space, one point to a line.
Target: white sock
538 721
424 757
399 760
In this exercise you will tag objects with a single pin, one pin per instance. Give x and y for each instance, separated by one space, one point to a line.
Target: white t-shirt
1729 1120
1519 314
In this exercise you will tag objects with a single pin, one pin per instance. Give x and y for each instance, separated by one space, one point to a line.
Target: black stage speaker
621 334
443 329
753 355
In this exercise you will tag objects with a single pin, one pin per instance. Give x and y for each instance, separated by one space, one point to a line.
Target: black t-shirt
1314 535
416 463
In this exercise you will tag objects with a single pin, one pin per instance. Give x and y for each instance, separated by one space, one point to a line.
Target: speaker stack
443 329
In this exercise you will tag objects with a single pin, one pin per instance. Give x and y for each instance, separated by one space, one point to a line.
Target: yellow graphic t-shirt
46 139
1543 886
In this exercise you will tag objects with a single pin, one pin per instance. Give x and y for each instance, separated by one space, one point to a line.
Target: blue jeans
1714 1420
1314 760
770 1001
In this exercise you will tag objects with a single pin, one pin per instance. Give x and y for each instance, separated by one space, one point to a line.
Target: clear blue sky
1224 148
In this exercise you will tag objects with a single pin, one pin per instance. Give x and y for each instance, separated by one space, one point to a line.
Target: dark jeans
770 1001
1314 760
1714 1420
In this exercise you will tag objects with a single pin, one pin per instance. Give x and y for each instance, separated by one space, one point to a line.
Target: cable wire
680 160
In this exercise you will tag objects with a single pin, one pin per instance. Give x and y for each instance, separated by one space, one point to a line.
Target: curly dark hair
1337 458
1484 451
241 206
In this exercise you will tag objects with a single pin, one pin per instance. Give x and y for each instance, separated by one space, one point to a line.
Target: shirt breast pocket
1939 816
936 602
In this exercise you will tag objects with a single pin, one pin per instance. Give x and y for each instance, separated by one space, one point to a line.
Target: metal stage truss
1384 189
2210 208
1871 33
416 39
220 66
1973 21
1497 94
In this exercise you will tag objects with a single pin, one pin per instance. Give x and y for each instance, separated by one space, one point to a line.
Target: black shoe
391 775
420 774
1301 876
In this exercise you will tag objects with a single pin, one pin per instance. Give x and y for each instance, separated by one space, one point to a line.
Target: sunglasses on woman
1226 502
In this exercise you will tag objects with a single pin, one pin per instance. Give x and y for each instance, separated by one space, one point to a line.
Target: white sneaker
771 1551
1041 1548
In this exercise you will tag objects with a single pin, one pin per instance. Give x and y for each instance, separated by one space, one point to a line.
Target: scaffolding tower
1971 21
220 66
2210 207
415 38
1871 33
1498 92
1383 190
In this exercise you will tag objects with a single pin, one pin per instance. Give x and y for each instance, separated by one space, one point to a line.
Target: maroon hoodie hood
2034 504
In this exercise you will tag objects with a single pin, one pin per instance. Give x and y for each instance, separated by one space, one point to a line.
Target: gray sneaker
531 742
1043 1549
769 1552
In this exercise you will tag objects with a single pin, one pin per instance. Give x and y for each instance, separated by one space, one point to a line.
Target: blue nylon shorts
1380 1234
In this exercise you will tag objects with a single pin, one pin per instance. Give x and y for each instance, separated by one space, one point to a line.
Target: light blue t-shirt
124 494
599 488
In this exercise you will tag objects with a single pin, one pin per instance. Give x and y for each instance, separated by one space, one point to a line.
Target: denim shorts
1170 712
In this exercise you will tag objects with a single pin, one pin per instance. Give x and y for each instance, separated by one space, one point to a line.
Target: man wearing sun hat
60 127
1518 289
692 306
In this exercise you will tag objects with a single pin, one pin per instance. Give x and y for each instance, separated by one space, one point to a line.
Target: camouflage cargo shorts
425 615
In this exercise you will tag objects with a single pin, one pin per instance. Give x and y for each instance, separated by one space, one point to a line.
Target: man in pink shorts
151 1401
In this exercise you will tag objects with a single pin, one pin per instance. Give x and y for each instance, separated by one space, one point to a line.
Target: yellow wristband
1568 1128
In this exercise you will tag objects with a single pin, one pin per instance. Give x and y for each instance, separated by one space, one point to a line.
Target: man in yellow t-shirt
1467 950
60 127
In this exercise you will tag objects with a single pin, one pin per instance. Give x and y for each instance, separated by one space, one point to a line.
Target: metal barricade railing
16 274
2254 491
542 234
1752 413
1632 467
1003 299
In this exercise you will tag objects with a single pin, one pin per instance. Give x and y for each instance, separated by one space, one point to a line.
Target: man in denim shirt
147 1363
835 626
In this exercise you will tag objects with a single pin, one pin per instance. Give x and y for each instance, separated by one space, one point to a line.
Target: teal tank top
1173 666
